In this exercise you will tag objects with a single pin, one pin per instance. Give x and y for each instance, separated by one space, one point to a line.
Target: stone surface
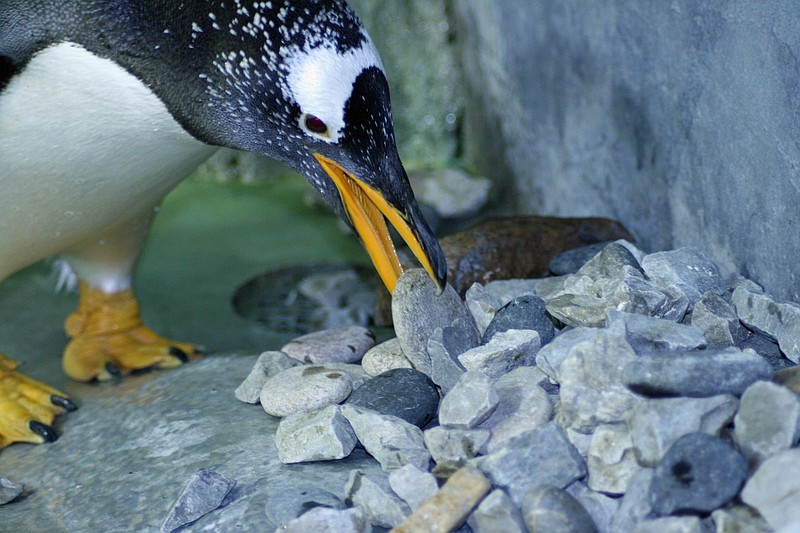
413 485
540 456
204 493
9 490
446 369
611 459
672 524
523 405
497 513
524 312
483 305
696 374
450 446
698 474
383 508
450 192
779 320
471 401
547 508
686 269
768 420
267 365
288 501
717 318
651 334
343 298
402 392
326 520
655 424
739 518
450 506
773 488
506 351
552 356
571 261
600 507
417 311
789 378
391 440
335 345
387 355
635 505
304 389
322 436
767 348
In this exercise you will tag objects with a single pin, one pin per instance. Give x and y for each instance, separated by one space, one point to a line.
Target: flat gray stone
551 356
327 520
696 374
523 312
204 493
635 504
648 334
601 508
497 513
9 490
505 352
304 389
322 436
402 392
335 345
523 405
611 459
382 506
655 424
453 447
686 269
717 318
267 365
548 508
780 320
536 457
572 260
446 369
471 401
292 498
391 440
417 311
413 485
768 420
387 355
773 488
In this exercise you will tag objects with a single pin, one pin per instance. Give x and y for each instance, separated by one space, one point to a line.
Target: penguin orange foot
108 339
27 407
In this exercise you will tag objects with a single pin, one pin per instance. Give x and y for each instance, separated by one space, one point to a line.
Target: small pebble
739 519
768 420
780 320
672 524
304 389
611 459
550 509
446 369
322 436
385 356
505 352
413 485
525 312
717 318
454 446
698 474
205 492
9 490
327 520
648 335
773 488
335 345
571 261
382 506
470 402
402 392
635 505
497 513
686 269
267 365
600 507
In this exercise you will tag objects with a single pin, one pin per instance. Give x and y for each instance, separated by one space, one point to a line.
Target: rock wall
681 119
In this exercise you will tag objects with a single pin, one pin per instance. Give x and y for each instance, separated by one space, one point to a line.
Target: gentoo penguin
105 105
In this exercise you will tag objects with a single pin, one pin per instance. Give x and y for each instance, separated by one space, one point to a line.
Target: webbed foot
108 339
27 407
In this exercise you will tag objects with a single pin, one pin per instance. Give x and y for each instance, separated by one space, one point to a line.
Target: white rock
454 446
267 365
413 485
383 357
451 192
671 524
506 351
322 436
470 402
774 488
779 320
327 520
497 513
768 420
383 507
304 389
335 345
611 460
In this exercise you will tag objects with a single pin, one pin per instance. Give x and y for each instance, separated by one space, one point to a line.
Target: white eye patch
320 81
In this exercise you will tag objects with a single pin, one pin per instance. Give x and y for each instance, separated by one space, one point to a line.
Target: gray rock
655 424
450 192
391 440
767 348
779 320
600 507
470 402
497 513
698 474
413 485
717 318
686 269
9 490
335 345
293 498
696 374
382 506
648 334
672 524
550 509
403 392
592 392
635 505
611 459
344 299
505 352
417 311
768 420
536 457
524 312
322 436
357 374
773 488
453 447
387 355
327 520
551 356
611 260
446 369
267 365
572 260
482 304
505 290
523 406
739 519
304 389
204 492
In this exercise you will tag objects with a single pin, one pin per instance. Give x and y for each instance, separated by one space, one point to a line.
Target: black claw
62 402
43 430
180 354
113 369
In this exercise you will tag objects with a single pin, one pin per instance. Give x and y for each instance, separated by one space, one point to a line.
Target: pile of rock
630 392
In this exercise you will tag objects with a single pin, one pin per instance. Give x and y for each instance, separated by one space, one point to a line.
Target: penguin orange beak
368 211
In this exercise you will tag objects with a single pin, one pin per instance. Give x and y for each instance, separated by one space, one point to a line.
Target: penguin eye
315 125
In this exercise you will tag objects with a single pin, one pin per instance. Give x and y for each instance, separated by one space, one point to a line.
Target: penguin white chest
83 145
